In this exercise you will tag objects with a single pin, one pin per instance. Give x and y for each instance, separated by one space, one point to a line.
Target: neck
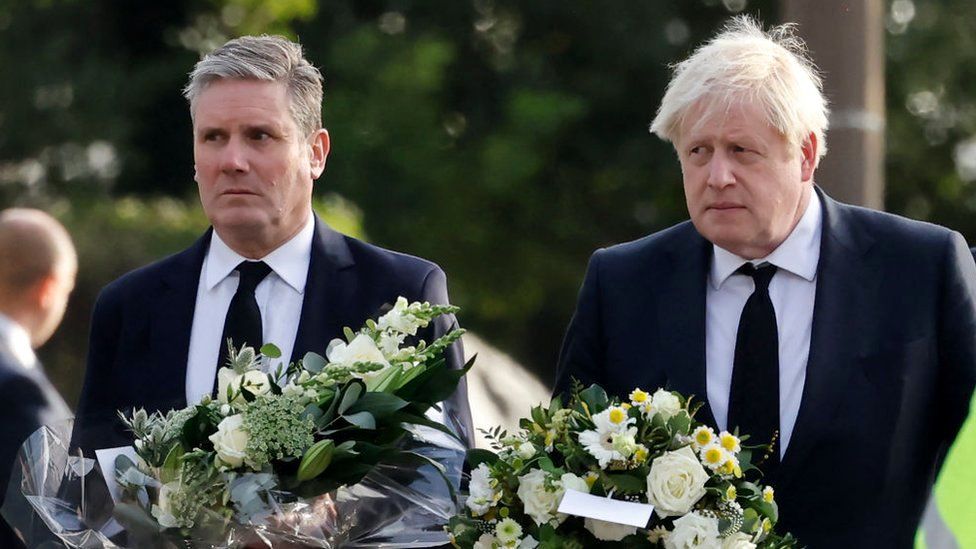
257 244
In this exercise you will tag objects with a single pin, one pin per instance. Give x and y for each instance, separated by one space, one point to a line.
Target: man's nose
233 157
720 171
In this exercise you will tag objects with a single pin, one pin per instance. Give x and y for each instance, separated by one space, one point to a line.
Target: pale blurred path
499 389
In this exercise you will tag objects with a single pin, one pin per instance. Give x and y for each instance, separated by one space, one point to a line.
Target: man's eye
260 135
211 136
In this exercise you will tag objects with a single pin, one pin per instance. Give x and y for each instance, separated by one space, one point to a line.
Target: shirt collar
798 254
289 261
18 341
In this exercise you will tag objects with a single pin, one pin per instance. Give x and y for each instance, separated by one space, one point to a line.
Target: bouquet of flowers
647 451
276 457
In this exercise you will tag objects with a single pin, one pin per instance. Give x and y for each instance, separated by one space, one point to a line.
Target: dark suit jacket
141 326
29 401
891 369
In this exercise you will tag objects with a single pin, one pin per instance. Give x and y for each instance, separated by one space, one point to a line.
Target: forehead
237 100
727 119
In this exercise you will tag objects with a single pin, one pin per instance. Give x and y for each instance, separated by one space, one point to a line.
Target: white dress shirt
792 291
17 342
280 296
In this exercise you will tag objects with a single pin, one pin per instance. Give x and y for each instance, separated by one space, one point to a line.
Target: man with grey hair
269 270
840 338
37 273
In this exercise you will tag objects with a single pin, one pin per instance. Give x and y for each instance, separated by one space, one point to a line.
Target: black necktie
754 398
243 322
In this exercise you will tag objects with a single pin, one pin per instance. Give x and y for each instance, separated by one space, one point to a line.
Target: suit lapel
329 290
171 323
681 317
838 308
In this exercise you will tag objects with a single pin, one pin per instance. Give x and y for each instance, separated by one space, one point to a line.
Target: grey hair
744 63
268 58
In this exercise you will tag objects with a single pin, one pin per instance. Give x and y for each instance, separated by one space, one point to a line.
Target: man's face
745 186
254 167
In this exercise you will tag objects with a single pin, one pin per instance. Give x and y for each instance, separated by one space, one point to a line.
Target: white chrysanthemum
694 531
481 494
702 436
767 494
608 531
639 398
613 419
714 456
730 442
508 532
658 533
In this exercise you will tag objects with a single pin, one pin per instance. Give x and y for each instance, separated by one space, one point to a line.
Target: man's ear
319 152
42 292
809 157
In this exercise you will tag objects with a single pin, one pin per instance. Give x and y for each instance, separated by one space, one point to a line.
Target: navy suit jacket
29 402
140 331
891 369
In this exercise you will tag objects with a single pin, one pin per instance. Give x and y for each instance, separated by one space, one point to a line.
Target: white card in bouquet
606 509
106 461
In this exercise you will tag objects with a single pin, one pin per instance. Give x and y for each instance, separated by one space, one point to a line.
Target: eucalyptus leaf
270 350
363 420
313 362
354 389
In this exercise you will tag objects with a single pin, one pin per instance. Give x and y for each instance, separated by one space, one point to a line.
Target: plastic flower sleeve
55 497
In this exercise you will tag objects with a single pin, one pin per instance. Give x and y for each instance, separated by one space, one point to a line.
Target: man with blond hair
843 339
268 271
37 273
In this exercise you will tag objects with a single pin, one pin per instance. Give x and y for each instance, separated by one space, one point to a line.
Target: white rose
676 482
398 319
162 510
481 495
230 441
254 380
362 348
573 482
665 403
486 541
539 503
738 540
694 531
526 450
608 531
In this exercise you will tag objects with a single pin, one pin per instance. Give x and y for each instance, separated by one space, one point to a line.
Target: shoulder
648 251
896 235
145 281
404 266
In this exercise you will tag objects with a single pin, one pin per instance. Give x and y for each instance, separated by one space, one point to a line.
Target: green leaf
378 404
353 390
595 398
316 460
270 350
680 423
313 362
363 420
477 456
628 484
170 469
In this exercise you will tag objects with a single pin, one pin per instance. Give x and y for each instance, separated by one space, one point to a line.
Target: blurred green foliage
505 140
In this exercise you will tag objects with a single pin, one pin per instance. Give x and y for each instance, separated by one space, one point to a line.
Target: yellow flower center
729 442
703 437
617 415
768 494
638 396
731 493
713 455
